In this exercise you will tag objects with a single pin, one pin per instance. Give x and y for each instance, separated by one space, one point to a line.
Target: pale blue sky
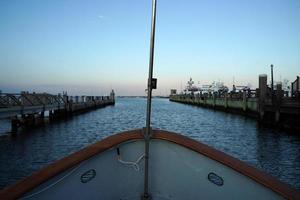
89 47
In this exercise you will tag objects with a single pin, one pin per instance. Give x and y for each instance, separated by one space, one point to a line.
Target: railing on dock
28 103
263 103
28 109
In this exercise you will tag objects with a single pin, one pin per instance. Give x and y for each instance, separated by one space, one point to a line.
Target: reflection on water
276 152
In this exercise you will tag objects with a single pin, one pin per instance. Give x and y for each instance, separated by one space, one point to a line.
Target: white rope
51 185
135 164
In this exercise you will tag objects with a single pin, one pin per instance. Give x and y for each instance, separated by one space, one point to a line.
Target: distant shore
164 97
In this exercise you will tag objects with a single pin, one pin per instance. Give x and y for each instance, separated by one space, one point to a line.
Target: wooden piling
279 96
244 101
226 100
262 94
14 124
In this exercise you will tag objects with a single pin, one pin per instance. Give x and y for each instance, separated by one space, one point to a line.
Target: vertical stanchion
148 116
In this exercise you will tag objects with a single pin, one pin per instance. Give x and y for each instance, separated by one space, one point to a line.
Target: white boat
149 164
179 168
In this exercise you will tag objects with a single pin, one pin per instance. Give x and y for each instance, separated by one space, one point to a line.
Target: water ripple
276 152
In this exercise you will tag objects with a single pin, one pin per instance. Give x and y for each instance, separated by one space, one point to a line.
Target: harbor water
274 151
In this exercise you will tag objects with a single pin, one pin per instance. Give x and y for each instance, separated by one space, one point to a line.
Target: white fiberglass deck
176 172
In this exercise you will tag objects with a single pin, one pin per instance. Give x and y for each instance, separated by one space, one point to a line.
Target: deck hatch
88 175
215 179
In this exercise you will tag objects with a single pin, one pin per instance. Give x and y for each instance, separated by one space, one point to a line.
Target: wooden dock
271 107
28 109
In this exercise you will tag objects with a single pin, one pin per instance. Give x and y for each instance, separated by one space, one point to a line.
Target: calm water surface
275 152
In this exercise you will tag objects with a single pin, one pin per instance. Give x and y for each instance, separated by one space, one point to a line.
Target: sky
88 47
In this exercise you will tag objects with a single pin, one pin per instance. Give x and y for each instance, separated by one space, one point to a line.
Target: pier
28 109
266 104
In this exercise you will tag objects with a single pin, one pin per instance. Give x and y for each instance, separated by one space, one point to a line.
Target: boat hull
179 168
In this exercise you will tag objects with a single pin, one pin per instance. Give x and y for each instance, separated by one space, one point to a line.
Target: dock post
272 85
112 96
14 124
70 111
279 95
29 120
51 115
244 101
42 115
262 95
40 118
226 100
214 99
277 116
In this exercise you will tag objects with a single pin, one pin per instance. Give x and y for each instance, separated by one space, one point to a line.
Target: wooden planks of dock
28 109
267 106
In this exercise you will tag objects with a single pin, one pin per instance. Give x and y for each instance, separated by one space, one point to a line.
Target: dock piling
31 107
262 94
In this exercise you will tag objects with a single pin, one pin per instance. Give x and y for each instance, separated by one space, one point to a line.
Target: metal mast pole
148 117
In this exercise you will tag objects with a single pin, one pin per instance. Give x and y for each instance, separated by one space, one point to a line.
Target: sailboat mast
151 82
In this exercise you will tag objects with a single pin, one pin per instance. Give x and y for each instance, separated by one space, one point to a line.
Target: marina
273 151
27 110
266 104
147 147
